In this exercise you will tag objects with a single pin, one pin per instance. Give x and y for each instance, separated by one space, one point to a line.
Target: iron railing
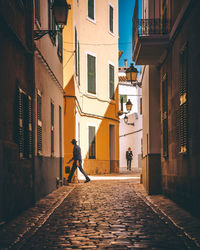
148 27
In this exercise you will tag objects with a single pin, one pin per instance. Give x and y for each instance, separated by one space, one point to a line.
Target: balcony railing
147 27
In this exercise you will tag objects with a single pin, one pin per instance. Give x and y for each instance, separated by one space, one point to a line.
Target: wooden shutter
30 129
76 66
165 115
37 10
111 18
60 45
78 63
52 128
20 124
183 97
91 9
91 74
111 81
39 123
92 143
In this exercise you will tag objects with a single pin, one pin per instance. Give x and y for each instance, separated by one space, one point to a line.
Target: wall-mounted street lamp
126 121
129 106
60 10
131 75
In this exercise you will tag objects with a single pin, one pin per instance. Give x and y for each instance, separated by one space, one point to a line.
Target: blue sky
126 8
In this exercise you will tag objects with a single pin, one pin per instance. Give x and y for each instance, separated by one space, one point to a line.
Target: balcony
150 39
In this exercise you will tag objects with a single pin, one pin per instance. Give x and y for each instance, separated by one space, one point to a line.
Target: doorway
112 147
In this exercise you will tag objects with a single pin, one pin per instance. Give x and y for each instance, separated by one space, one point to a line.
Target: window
183 97
140 106
92 143
111 82
111 11
52 128
37 11
165 115
78 63
124 98
51 22
75 59
24 128
91 9
91 68
60 45
39 123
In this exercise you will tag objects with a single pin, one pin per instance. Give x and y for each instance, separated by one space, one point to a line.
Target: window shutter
91 9
20 124
52 128
30 127
37 10
111 81
39 123
76 67
183 97
92 143
78 63
165 115
60 45
111 18
91 74
140 106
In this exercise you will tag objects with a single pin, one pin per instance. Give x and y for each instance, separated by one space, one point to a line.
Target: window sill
91 20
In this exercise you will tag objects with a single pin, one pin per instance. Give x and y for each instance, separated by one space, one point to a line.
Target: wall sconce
131 76
60 10
129 106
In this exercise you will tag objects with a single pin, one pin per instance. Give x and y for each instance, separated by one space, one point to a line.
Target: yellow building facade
90 46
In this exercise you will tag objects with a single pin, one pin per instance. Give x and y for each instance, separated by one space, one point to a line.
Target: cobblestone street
103 214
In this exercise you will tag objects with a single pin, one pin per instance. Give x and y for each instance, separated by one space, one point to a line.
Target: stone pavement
102 214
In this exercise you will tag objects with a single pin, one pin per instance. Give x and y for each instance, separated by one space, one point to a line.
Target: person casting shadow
129 157
77 159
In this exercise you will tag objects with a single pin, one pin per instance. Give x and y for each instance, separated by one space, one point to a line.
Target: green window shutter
39 124
183 105
75 59
92 143
91 64
78 63
52 128
165 115
25 101
111 82
124 98
91 9
111 18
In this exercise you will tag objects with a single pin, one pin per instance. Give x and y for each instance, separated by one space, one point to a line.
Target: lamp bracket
40 33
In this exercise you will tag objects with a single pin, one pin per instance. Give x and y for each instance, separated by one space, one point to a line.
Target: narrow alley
102 214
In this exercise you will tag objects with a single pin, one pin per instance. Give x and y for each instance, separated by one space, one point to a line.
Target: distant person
77 159
129 157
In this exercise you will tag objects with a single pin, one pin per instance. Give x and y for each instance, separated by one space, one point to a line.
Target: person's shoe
87 180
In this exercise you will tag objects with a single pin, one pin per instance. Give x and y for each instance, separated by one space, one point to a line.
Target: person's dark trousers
74 166
129 164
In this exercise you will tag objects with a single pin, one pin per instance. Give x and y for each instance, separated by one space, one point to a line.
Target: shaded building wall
49 85
151 166
16 63
180 172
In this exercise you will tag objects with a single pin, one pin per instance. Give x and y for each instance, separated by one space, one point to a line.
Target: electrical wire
100 44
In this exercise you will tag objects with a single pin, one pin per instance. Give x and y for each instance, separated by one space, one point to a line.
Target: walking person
77 159
129 157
